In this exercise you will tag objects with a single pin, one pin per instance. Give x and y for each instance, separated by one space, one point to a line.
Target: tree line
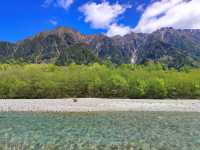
151 80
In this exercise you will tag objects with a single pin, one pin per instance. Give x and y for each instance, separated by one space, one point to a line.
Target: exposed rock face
166 45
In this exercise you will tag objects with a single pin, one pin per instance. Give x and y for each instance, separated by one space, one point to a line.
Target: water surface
108 130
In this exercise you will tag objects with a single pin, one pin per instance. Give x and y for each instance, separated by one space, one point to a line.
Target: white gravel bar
97 104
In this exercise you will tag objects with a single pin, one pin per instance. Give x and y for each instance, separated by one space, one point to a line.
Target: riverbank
95 104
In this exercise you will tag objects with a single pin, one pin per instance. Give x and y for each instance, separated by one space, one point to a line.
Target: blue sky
22 18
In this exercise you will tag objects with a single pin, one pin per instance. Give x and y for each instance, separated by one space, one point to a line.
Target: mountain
172 47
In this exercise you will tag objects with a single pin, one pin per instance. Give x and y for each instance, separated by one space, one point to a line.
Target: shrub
137 88
156 89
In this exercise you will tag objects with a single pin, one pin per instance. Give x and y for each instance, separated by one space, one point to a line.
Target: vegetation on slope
62 46
95 80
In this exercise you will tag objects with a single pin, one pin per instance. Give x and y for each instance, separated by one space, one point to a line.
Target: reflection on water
99 131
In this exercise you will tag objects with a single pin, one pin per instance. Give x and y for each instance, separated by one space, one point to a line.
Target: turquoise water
99 131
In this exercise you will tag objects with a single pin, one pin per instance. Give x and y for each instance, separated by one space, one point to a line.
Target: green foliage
137 88
156 89
97 80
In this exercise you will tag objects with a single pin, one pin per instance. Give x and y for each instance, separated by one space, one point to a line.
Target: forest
151 80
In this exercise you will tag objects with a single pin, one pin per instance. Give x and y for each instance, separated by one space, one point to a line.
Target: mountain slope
62 46
6 50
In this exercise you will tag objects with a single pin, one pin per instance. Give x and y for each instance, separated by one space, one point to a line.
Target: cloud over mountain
180 14
105 16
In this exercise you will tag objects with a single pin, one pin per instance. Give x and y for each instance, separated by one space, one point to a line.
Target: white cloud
141 7
65 4
104 16
179 14
47 3
116 29
53 22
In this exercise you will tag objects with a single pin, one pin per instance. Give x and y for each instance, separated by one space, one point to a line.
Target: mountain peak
62 29
59 31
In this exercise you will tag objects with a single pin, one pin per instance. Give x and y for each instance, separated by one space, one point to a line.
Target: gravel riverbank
95 104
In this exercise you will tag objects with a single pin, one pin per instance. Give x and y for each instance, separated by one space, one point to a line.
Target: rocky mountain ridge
62 46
